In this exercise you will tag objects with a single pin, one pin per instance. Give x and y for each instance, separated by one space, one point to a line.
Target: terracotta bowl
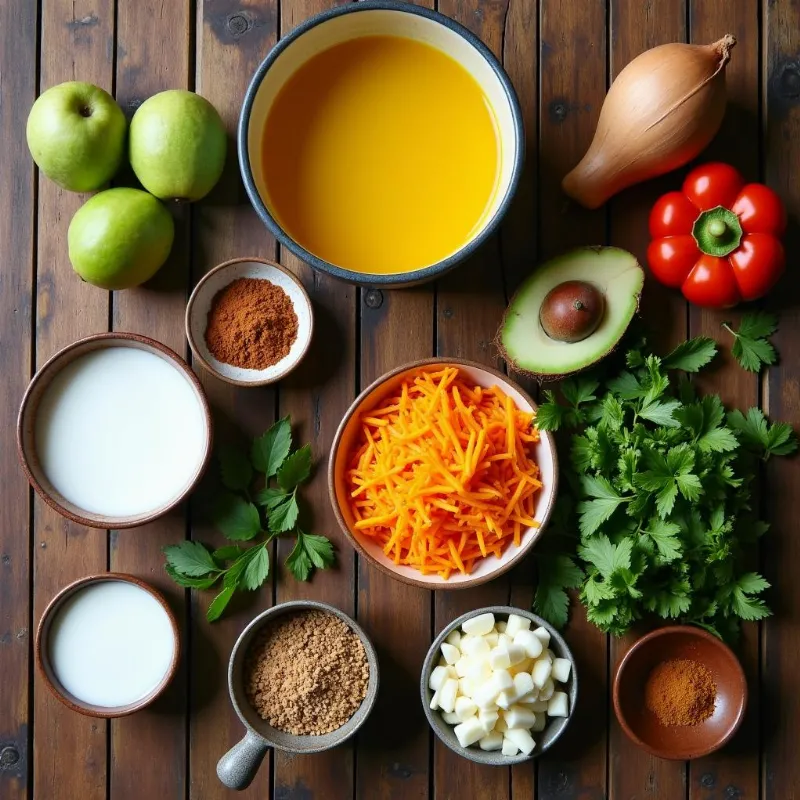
200 303
43 658
679 742
488 568
26 428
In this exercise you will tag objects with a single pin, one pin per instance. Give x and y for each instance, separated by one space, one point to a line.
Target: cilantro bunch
657 510
243 514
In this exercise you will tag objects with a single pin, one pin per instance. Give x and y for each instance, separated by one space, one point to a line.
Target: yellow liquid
381 155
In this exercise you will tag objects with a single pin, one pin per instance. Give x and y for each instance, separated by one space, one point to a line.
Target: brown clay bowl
488 568
679 742
43 659
26 429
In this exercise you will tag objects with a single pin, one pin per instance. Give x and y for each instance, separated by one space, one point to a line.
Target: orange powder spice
680 692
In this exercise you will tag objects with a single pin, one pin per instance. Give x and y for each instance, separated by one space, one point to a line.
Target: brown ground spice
307 673
680 692
251 324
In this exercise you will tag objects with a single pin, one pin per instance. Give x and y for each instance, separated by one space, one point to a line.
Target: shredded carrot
442 474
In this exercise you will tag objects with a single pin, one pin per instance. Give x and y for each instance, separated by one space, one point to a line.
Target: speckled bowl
545 739
200 304
237 768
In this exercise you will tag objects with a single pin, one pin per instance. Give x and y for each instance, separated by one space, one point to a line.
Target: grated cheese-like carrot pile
442 475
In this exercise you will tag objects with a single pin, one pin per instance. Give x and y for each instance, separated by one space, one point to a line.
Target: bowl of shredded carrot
439 475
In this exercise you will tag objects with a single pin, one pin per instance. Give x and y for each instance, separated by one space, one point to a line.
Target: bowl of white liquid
107 645
114 431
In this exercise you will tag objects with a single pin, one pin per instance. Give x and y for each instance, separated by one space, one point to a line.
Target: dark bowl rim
40 645
371 279
664 753
427 668
99 521
522 551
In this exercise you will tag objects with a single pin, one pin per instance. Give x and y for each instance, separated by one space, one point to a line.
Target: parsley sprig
657 512
242 515
752 347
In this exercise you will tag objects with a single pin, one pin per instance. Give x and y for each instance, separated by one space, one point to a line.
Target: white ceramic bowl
200 303
486 569
376 18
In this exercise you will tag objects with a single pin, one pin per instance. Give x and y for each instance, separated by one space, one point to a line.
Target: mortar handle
237 768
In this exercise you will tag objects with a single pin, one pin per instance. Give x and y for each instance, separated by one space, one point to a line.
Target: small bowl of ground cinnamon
249 321
303 677
680 693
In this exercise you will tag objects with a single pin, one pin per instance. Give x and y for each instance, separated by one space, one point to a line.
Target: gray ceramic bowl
545 739
237 768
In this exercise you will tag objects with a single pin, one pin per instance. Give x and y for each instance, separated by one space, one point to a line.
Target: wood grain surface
561 56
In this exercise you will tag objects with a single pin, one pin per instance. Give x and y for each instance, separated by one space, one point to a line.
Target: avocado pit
571 311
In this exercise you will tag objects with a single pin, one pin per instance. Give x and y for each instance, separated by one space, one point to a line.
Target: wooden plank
572 65
232 39
636 27
152 57
470 302
734 770
74 46
18 68
781 710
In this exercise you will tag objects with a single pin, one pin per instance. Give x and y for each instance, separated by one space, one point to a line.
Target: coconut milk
110 644
120 432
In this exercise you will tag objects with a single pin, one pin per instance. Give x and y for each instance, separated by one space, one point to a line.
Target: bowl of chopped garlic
439 476
499 686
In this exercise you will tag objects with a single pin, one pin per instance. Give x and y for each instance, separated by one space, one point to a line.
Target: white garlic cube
465 708
558 705
450 652
499 658
509 748
435 701
561 669
486 694
491 741
448 694
466 687
521 738
541 673
516 623
469 731
530 643
504 640
480 625
476 647
454 638
523 685
462 666
526 665
438 677
544 636
479 670
540 724
491 638
505 699
520 717
516 653
500 627
546 692
488 719
452 718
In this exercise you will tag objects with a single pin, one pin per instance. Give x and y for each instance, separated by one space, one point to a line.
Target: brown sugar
251 324
680 692
306 673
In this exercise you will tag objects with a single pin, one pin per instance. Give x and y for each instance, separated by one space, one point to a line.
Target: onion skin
663 109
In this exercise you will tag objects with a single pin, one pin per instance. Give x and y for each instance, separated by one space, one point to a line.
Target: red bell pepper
718 239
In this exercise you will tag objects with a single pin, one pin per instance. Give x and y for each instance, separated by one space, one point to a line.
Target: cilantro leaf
219 603
593 513
606 557
235 468
227 553
550 414
661 412
748 608
283 517
751 346
579 390
556 574
192 583
270 450
612 413
295 468
752 583
269 497
781 439
309 551
691 355
760 437
664 535
718 440
191 559
237 518
627 386
257 569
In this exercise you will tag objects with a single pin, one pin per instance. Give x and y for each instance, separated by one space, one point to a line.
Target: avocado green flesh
615 272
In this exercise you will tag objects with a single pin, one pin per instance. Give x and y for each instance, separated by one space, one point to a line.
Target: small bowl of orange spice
680 693
249 321
439 476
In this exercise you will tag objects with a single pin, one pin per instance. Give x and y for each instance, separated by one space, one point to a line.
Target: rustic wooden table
560 55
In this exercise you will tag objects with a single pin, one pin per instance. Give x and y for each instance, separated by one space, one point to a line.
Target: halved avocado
521 338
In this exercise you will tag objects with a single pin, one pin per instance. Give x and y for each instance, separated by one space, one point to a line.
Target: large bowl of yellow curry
381 142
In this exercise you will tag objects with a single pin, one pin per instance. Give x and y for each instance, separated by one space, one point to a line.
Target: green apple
177 145
76 135
120 238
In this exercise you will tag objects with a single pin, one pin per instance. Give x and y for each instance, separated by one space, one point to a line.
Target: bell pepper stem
717 231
